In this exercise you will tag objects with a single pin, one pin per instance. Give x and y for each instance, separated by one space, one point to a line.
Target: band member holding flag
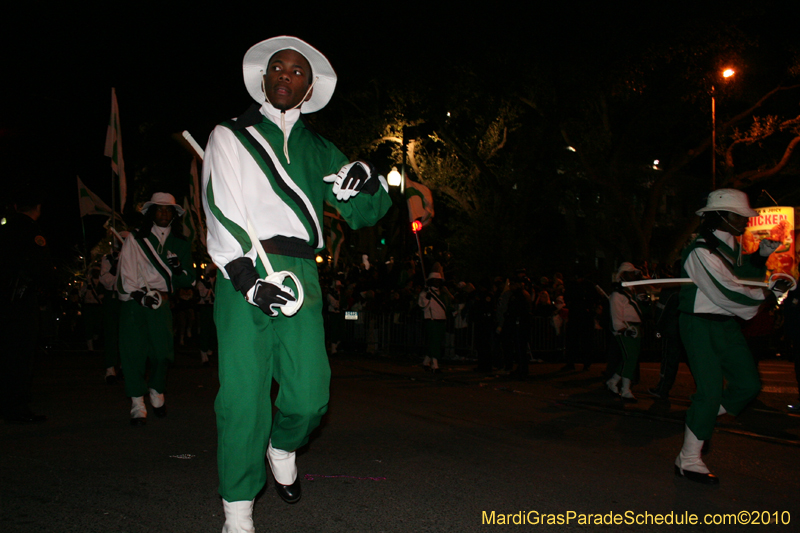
716 349
266 175
154 262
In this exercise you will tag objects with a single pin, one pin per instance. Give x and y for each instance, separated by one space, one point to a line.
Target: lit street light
394 178
727 73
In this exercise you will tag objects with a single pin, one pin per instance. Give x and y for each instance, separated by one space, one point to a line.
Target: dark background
177 66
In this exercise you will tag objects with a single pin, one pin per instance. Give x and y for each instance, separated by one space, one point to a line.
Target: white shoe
282 464
156 399
689 464
612 383
625 393
138 409
238 517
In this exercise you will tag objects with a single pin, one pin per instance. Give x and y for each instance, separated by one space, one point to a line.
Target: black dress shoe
160 412
136 422
289 493
697 477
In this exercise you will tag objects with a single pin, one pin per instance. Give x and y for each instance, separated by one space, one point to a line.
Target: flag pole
83 227
419 249
113 204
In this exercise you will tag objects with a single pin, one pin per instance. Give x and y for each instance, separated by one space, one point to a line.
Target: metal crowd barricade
404 334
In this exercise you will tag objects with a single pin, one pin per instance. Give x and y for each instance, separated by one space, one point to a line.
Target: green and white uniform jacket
239 185
142 268
716 288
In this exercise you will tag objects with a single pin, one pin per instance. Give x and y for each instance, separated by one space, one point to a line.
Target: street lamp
394 177
727 73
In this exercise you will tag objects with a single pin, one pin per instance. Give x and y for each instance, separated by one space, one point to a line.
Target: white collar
725 237
274 114
161 233
284 120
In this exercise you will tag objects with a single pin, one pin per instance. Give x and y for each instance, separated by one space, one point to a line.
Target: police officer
27 276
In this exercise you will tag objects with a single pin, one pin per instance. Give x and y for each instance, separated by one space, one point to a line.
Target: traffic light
416 226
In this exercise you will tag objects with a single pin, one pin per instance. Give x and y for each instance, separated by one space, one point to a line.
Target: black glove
175 264
782 285
138 296
353 178
144 299
243 274
269 296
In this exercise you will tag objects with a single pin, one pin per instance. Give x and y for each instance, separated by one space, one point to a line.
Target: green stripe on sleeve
733 296
234 229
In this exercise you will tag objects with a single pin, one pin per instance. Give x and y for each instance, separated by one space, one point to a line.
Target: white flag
420 202
90 203
114 149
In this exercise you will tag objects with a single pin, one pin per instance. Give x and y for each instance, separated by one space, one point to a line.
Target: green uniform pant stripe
717 353
254 349
630 349
145 336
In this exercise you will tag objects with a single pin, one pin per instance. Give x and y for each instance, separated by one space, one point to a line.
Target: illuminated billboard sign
776 224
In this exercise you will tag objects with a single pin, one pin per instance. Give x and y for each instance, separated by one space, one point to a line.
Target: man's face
733 223
287 79
163 215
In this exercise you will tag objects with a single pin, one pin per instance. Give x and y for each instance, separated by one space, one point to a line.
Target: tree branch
499 146
751 176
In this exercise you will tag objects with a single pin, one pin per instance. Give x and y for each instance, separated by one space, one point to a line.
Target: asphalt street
402 450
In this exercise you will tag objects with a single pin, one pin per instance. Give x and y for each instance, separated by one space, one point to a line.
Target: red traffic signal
416 226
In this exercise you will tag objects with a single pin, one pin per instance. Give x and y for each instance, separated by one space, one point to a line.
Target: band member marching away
723 367
266 175
626 321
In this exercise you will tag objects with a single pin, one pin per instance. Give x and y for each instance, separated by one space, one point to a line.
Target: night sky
179 68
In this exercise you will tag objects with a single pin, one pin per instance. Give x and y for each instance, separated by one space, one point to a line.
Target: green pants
254 349
111 307
717 353
145 335
434 336
630 349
